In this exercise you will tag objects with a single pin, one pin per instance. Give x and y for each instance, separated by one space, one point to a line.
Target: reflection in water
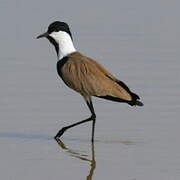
93 163
81 156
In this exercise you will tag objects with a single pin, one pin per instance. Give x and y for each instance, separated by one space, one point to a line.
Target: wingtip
139 103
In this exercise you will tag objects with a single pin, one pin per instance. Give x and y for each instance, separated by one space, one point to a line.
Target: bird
85 75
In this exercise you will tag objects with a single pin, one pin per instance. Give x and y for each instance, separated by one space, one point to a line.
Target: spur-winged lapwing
85 75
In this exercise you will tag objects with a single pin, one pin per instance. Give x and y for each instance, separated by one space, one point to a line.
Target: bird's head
60 36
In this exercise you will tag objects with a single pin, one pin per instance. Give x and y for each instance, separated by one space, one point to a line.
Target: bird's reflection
81 156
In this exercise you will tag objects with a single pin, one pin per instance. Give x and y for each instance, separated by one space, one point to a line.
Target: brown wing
89 78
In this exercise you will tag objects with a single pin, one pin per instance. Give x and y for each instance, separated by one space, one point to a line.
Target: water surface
137 41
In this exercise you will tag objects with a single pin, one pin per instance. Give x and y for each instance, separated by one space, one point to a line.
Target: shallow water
137 41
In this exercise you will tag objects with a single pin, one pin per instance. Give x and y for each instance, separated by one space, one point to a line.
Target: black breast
60 64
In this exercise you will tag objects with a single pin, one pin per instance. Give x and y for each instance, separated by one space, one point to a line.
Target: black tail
116 99
133 102
139 103
135 97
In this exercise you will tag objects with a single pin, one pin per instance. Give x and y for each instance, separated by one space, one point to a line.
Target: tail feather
139 103
135 98
135 101
116 99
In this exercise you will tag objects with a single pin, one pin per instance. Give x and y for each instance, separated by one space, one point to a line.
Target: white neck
65 43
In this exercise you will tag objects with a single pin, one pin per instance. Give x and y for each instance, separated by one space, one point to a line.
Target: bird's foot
60 133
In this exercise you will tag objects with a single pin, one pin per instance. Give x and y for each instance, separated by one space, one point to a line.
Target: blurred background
138 41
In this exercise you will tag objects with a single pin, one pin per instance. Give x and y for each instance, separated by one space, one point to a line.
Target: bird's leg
92 118
61 132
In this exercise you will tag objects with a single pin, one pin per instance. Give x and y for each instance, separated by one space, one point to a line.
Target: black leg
92 118
93 128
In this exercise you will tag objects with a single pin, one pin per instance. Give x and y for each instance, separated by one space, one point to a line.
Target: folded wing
89 78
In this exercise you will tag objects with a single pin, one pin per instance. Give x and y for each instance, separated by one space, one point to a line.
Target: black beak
46 34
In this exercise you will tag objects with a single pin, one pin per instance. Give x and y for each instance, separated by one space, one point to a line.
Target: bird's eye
56 30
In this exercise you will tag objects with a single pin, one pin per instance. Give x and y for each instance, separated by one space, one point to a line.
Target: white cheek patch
65 43
56 36
61 36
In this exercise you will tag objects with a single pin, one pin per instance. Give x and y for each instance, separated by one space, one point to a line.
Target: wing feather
89 78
